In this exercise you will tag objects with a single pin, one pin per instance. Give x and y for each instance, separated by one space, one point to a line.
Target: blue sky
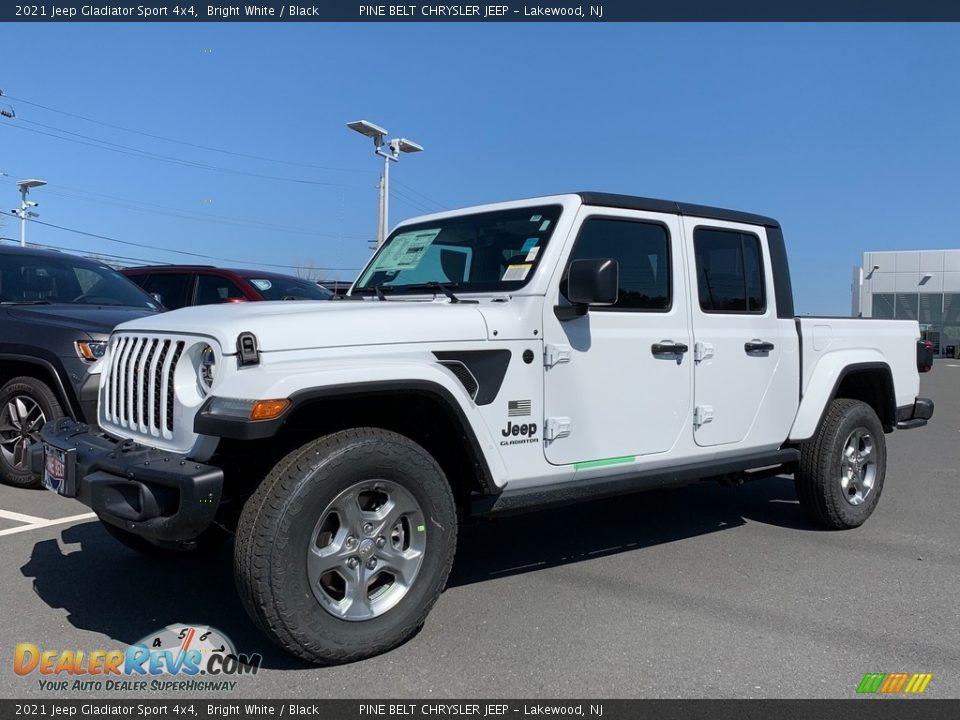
846 133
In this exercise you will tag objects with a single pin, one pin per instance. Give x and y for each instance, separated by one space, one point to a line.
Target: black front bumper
152 493
916 415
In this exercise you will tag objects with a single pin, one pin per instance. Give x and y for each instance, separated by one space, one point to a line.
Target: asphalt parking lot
702 591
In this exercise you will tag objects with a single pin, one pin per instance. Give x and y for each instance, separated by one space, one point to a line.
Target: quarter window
642 251
729 271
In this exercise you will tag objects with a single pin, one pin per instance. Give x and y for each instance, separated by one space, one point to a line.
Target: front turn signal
268 409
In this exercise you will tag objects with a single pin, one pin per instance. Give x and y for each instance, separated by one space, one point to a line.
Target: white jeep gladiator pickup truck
503 357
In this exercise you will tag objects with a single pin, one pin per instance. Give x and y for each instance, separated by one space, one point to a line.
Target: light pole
25 212
390 152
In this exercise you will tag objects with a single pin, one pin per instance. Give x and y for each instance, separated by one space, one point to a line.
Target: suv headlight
92 350
206 367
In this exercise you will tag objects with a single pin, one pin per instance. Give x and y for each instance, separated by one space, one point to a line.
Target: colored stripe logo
894 683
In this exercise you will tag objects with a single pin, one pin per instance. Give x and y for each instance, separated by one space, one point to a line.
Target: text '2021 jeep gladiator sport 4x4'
502 357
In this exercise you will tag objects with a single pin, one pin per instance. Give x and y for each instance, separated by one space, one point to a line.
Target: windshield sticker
516 272
532 255
406 250
261 284
529 243
536 218
546 224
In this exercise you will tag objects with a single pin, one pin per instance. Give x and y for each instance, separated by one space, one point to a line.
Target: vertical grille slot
139 391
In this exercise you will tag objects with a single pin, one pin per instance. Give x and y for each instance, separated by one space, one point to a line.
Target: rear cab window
730 276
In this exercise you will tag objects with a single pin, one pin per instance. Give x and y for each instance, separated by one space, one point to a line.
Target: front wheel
346 545
842 466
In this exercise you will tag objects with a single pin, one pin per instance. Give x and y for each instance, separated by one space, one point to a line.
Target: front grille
139 393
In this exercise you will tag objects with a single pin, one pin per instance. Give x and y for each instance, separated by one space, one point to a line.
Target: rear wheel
842 467
346 545
26 403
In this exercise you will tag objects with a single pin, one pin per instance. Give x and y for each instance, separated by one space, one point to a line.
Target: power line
425 197
181 213
415 204
147 155
204 147
88 253
179 252
179 142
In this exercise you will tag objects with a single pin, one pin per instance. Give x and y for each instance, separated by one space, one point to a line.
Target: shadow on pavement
500 547
108 589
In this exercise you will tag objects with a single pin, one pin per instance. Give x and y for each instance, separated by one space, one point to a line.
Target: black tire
277 527
208 541
823 497
12 470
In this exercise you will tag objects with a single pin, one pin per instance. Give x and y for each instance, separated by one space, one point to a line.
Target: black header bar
187 11
455 709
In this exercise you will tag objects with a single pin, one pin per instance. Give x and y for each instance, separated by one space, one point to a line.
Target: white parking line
41 523
20 517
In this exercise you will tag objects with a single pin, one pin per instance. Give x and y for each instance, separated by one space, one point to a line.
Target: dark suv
56 313
177 286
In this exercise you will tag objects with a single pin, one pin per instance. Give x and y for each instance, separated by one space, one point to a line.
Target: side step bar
510 501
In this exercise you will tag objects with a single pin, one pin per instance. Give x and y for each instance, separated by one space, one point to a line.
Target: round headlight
207 368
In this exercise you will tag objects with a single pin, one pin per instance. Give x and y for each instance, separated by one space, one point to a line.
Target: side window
215 289
642 251
172 288
140 280
729 271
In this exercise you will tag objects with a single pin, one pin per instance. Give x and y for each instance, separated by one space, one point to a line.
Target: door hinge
702 414
702 351
555 354
556 427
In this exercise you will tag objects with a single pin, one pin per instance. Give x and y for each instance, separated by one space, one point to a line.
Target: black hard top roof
632 202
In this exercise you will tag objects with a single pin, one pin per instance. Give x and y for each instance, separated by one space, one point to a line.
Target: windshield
486 252
45 279
279 287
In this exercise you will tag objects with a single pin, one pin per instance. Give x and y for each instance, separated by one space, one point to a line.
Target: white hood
303 325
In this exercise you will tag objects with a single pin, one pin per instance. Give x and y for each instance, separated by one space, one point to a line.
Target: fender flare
206 423
70 403
814 404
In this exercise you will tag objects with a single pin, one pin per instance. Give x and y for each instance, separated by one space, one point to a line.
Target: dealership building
921 285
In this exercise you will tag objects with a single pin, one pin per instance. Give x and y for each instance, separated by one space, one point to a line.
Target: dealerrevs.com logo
894 683
179 657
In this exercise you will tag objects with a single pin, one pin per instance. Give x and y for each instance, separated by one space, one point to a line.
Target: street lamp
390 152
24 211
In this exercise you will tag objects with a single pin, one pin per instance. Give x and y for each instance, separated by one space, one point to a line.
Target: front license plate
56 469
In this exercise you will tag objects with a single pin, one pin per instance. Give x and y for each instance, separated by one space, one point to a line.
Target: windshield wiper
445 288
26 302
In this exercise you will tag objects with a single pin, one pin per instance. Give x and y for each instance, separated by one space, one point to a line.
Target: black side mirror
590 282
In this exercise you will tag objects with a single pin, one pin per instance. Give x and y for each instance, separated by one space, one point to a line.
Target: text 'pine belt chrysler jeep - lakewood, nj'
498 358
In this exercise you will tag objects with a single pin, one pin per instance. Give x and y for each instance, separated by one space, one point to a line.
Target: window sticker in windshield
261 284
529 243
406 250
546 224
532 254
516 272
536 218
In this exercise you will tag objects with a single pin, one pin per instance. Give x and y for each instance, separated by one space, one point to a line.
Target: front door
618 381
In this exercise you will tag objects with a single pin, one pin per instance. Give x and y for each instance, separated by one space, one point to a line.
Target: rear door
213 289
746 358
174 289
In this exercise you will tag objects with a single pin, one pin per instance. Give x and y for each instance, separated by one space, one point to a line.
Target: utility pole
390 152
24 211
